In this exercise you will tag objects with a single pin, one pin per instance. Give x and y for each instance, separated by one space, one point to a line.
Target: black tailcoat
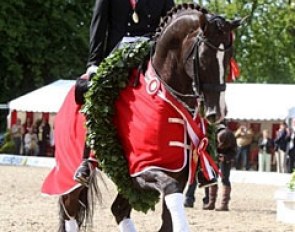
112 20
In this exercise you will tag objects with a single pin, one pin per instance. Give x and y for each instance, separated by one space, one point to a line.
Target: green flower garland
112 76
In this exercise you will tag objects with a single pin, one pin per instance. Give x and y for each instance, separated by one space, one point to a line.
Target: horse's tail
86 200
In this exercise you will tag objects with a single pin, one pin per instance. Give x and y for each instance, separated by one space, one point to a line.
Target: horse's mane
179 10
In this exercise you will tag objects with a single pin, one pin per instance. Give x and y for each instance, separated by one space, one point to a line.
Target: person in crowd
254 148
281 141
291 148
244 137
16 133
190 195
44 137
266 146
27 125
226 149
52 143
115 23
31 143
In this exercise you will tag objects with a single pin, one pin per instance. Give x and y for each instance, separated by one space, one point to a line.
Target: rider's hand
91 71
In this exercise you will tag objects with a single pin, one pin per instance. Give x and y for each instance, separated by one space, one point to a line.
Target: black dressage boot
84 171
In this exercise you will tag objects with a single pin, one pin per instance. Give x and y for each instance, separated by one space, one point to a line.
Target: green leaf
111 78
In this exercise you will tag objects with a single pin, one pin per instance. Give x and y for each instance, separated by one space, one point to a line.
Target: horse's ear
238 22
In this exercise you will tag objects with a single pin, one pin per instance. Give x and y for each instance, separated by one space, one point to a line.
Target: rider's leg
84 171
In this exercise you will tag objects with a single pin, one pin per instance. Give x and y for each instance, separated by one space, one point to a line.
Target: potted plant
286 202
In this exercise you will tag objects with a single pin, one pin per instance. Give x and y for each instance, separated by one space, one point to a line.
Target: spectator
281 141
27 125
190 195
16 133
31 143
254 148
44 137
244 137
291 148
226 149
266 146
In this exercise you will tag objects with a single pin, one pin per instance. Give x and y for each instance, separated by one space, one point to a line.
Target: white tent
259 101
291 113
244 101
46 99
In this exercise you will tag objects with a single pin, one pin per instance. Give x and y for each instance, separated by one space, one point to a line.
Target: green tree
41 41
265 46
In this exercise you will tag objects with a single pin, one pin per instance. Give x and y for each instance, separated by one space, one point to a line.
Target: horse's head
193 51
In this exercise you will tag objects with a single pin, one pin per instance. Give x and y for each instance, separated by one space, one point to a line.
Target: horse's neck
172 73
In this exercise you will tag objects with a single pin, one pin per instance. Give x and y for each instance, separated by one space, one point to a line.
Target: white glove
91 70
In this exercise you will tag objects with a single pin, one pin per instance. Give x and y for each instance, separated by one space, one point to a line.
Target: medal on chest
135 17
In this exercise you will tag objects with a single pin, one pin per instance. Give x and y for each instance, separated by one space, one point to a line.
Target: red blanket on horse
153 128
152 133
69 137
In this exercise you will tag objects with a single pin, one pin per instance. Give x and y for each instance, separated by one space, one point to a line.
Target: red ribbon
234 71
204 154
133 3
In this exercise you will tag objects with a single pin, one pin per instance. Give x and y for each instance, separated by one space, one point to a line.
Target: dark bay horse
191 54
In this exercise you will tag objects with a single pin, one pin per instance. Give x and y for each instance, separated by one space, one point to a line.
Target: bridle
197 87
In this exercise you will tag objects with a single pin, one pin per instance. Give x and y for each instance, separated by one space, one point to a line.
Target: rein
174 92
197 87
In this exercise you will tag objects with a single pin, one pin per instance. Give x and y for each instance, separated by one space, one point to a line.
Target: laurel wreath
112 76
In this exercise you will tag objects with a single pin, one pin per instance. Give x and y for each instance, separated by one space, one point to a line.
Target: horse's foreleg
121 209
173 198
70 207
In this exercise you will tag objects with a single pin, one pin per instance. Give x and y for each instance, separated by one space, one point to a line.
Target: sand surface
23 208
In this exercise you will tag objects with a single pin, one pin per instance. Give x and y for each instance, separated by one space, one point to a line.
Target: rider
115 22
